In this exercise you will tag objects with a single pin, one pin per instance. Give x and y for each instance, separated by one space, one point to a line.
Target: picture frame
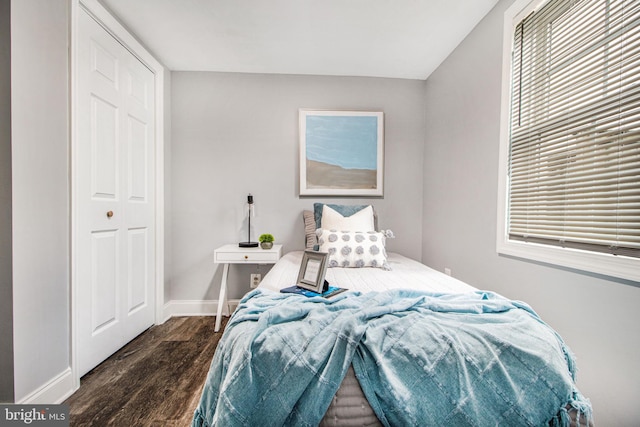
341 153
312 271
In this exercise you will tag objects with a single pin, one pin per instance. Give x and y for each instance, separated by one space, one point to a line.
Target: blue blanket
421 359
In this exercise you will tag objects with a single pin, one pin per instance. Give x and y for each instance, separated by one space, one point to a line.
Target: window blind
574 166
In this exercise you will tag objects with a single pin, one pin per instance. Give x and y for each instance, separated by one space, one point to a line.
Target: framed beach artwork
341 153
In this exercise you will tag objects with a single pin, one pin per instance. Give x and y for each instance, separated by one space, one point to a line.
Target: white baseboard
195 308
56 391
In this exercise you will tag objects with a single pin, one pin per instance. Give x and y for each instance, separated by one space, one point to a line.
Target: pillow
344 210
310 241
360 221
353 248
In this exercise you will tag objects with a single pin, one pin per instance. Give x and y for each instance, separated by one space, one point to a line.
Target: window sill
605 264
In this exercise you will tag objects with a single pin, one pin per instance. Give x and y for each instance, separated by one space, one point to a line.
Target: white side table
233 254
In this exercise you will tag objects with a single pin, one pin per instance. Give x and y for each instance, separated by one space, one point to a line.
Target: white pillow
353 249
361 220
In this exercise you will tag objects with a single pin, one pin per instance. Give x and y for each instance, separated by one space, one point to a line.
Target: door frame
162 77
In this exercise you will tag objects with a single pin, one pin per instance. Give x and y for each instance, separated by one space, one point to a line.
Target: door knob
109 214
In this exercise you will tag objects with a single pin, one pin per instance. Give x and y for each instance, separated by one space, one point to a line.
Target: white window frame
600 263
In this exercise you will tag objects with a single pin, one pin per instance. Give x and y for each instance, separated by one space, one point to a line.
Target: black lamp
249 243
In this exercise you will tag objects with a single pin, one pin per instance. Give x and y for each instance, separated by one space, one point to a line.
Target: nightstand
233 254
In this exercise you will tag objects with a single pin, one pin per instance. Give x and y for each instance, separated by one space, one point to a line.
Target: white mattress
405 273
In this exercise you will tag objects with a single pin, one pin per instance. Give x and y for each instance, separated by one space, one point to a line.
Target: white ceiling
375 38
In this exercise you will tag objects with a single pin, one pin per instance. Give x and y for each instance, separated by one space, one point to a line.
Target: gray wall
40 162
597 316
234 134
168 240
6 299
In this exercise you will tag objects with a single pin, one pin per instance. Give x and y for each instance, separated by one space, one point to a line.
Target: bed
405 345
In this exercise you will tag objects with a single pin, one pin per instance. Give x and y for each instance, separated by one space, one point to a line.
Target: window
570 149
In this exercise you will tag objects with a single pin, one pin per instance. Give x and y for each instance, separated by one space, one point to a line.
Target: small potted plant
266 241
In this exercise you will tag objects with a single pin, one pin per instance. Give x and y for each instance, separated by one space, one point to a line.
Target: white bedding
405 274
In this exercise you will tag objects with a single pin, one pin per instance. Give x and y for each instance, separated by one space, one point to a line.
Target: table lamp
249 243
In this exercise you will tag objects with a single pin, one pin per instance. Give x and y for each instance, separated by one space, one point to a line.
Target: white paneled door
114 189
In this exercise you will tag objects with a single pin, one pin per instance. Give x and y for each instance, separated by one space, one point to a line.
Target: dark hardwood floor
155 380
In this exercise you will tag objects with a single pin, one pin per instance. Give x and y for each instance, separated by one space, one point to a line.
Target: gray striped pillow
311 241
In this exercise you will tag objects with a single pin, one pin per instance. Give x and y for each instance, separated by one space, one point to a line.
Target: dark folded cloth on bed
464 359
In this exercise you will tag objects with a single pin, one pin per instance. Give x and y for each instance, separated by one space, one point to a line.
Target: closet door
114 196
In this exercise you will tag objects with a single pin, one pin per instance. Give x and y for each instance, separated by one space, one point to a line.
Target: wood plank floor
155 380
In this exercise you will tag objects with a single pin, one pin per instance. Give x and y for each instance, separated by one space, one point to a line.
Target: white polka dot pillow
353 249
